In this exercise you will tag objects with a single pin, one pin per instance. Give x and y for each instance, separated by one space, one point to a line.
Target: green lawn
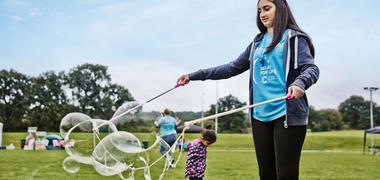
231 157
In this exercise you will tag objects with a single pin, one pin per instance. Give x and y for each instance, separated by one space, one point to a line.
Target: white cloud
18 18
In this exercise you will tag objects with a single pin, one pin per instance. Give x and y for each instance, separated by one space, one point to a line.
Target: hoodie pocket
297 106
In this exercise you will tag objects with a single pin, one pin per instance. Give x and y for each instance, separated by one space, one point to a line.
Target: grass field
231 157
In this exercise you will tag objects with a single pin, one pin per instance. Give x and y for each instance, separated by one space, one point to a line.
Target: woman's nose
262 14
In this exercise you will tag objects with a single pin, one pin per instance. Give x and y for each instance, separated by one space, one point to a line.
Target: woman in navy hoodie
281 62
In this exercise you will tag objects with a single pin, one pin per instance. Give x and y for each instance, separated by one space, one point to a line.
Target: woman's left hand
296 92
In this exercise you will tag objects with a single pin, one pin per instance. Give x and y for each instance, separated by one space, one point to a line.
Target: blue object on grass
52 137
50 145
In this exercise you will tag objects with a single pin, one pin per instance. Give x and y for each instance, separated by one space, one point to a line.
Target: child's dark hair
208 134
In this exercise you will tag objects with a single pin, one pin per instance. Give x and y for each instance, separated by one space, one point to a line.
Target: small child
196 155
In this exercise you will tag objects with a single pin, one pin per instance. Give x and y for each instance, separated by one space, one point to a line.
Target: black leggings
195 178
278 149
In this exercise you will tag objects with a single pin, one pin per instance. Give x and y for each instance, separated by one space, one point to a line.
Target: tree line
44 100
353 113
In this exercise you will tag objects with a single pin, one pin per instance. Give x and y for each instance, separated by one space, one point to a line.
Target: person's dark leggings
278 149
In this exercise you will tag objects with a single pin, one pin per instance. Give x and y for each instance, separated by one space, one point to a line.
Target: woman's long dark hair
283 19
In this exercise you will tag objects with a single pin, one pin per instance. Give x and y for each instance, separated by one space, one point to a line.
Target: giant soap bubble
119 146
70 165
72 119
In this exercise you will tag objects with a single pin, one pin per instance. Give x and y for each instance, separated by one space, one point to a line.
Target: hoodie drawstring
296 53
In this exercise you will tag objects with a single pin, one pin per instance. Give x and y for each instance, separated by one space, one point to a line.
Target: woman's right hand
184 79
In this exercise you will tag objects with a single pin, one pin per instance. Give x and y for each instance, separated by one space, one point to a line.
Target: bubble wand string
180 138
187 125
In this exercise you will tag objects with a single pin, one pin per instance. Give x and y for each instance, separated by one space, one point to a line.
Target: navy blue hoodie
299 68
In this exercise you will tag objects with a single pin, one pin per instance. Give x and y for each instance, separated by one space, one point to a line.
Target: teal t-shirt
269 79
167 125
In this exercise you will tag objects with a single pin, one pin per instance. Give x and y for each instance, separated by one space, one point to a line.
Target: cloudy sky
146 45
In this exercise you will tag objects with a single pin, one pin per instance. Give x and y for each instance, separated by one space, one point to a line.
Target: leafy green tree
49 101
91 88
44 100
333 117
314 119
356 112
87 83
187 115
14 99
235 122
365 117
376 115
318 121
114 96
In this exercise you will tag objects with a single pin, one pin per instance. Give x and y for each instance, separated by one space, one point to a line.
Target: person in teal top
281 62
269 79
167 125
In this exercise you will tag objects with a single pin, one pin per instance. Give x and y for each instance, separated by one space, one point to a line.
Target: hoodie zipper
287 69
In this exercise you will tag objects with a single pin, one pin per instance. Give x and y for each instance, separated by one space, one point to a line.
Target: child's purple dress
196 159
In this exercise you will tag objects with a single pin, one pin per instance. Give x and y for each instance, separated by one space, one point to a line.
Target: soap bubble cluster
108 145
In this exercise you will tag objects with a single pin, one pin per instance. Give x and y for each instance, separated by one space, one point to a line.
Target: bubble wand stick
187 124
114 119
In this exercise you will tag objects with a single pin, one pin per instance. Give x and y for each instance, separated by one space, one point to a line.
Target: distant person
30 139
281 62
196 154
167 125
